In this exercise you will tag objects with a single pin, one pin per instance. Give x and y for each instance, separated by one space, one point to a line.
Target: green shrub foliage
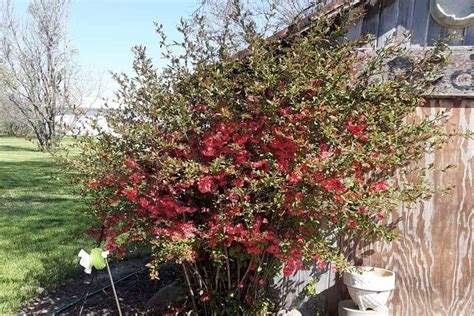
238 166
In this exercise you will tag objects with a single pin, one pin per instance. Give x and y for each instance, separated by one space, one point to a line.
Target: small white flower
86 260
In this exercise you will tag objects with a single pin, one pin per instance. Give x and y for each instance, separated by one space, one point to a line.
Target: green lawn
41 226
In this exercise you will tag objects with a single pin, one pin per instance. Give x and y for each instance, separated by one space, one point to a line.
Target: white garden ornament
369 287
90 260
98 259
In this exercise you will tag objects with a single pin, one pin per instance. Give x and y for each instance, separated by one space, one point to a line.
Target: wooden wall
433 258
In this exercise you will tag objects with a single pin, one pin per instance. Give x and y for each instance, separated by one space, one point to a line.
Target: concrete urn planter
369 287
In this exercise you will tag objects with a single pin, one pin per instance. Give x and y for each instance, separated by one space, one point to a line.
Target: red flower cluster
252 185
206 185
357 127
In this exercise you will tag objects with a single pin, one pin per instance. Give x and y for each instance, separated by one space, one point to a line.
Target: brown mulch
134 292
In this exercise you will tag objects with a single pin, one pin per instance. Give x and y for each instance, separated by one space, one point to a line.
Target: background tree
11 123
42 82
264 17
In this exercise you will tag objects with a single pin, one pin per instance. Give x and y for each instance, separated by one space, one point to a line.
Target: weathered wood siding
292 292
385 17
433 258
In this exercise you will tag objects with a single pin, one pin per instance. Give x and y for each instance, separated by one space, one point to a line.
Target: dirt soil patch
132 282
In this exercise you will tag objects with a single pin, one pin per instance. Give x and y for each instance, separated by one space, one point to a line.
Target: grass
41 226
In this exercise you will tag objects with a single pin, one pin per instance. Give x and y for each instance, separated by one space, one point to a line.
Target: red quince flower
185 209
378 186
238 183
333 184
261 164
206 185
364 137
322 265
93 184
144 202
295 177
284 112
234 197
241 157
292 266
131 194
131 164
351 224
355 128
299 196
200 107
204 298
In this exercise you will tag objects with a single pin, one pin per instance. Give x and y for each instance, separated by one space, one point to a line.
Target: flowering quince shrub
239 167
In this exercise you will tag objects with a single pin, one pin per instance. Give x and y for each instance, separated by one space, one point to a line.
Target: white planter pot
369 287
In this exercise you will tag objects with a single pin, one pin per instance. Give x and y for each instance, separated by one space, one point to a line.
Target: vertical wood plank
421 14
469 36
435 31
459 33
405 14
388 21
291 290
355 31
371 20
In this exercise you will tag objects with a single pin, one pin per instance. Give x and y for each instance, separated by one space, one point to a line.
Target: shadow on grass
34 199
40 243
17 148
31 174
41 226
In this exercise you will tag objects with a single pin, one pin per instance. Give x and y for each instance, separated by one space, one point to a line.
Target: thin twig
238 269
217 279
246 272
228 268
202 282
190 289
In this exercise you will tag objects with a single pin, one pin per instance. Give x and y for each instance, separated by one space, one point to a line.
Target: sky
104 31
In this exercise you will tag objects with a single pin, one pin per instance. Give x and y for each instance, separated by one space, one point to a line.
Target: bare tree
11 123
42 82
239 17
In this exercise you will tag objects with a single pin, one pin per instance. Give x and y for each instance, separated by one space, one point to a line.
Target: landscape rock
166 296
293 312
